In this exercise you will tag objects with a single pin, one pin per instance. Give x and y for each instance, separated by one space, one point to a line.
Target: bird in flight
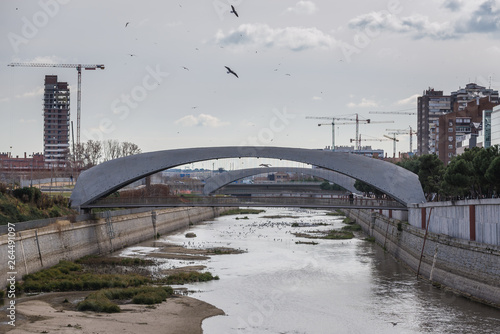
231 71
184 67
234 11
126 24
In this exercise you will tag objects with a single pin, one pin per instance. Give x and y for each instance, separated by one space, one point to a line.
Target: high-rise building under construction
56 115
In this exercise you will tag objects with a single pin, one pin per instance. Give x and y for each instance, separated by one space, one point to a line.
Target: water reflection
336 286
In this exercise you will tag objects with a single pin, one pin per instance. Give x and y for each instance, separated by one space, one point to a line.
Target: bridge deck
275 201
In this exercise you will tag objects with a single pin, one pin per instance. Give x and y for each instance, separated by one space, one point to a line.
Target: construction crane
355 120
378 139
405 132
394 112
79 92
394 140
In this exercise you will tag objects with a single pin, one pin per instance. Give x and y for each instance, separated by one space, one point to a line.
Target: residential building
472 91
430 106
461 124
56 103
495 126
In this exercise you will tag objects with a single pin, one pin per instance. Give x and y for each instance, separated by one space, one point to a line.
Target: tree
493 174
367 189
457 179
412 164
430 174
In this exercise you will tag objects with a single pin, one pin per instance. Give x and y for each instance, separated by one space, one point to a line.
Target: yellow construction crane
79 92
355 120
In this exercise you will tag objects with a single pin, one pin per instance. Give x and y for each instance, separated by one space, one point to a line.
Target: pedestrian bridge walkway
248 201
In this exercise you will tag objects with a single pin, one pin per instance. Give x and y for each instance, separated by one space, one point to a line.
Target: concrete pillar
423 214
472 222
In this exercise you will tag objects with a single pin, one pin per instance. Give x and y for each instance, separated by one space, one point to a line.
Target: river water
335 286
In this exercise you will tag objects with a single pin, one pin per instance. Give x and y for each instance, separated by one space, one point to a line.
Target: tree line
473 174
94 152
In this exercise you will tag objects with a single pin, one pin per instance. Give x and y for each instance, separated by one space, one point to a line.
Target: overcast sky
165 85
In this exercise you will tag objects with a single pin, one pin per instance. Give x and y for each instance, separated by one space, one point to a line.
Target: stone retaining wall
43 247
467 267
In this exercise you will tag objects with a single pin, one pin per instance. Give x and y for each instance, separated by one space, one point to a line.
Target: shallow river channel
334 286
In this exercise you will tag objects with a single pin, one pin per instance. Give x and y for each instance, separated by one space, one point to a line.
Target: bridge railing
305 201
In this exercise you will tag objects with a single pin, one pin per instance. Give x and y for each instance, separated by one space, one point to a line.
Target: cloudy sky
165 84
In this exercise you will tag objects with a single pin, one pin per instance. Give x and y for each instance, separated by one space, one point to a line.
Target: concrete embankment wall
43 246
474 220
467 267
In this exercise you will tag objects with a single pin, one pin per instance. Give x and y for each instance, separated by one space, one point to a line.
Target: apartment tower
56 122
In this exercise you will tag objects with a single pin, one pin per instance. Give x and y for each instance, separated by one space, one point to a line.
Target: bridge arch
220 180
105 178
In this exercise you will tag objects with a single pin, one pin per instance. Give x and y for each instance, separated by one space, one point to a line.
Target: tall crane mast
355 120
394 139
79 92
405 132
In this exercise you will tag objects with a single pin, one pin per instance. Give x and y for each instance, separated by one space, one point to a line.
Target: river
335 286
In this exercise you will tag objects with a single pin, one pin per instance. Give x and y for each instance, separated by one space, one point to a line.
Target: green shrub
98 302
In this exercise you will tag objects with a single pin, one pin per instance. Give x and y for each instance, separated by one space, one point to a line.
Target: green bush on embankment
29 203
69 276
102 300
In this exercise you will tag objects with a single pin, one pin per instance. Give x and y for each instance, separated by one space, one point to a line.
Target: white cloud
363 104
5 99
38 91
201 120
317 98
303 7
41 60
418 25
262 35
471 17
412 100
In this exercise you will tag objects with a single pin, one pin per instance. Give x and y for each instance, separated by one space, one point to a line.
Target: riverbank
48 314
57 311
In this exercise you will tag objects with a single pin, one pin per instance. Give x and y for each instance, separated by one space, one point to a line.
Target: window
450 147
450 129
450 138
450 155
450 123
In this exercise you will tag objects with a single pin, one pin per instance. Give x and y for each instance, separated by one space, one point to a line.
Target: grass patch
279 216
188 277
306 242
102 300
369 239
332 234
335 213
241 212
94 260
352 228
69 276
246 217
190 235
348 220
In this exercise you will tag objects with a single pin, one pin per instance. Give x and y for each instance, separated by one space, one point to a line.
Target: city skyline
165 85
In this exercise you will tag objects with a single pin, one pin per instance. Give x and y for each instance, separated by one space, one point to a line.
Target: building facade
495 126
463 96
462 127
430 106
56 114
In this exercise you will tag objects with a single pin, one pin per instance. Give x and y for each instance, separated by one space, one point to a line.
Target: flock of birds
229 71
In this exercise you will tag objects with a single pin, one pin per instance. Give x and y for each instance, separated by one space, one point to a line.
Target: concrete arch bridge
104 179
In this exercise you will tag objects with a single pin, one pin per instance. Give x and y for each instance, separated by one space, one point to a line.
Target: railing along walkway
262 201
